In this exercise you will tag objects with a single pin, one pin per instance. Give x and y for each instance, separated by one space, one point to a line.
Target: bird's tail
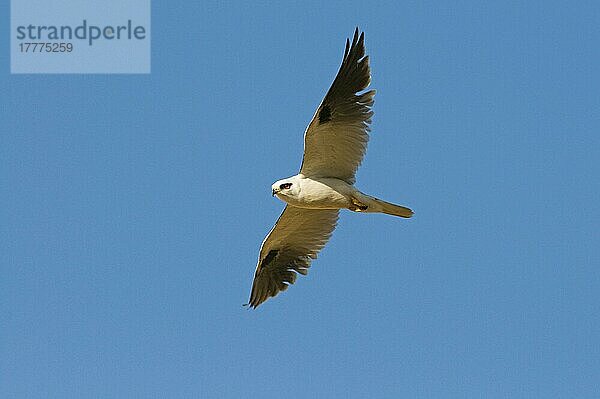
393 209
380 206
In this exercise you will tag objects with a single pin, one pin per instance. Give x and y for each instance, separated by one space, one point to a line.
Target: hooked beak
273 192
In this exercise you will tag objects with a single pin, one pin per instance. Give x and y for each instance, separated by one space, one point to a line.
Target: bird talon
358 206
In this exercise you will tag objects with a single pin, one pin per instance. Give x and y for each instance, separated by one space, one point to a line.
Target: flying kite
335 142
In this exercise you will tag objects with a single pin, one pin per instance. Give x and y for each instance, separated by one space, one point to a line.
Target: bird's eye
285 186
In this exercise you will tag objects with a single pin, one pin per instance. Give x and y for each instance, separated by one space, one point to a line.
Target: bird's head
285 188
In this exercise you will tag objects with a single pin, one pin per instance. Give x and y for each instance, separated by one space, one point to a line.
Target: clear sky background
133 208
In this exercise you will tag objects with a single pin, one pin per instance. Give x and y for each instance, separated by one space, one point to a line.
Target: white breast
321 194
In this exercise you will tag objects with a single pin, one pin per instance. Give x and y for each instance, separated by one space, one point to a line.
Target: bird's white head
286 188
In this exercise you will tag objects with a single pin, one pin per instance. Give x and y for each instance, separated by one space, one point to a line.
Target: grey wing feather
336 139
288 249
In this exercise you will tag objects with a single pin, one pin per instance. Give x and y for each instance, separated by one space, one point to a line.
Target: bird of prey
335 142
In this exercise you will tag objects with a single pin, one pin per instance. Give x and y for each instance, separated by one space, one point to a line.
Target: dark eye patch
285 186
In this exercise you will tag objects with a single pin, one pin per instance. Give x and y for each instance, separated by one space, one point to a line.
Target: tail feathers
393 209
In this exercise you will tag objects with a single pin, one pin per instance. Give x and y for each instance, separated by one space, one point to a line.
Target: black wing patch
270 257
324 114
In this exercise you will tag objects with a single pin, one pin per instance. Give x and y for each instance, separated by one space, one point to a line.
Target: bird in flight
335 142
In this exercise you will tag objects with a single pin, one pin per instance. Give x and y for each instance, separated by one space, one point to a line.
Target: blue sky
133 207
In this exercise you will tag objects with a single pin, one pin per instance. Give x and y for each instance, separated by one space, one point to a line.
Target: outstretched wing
336 139
288 249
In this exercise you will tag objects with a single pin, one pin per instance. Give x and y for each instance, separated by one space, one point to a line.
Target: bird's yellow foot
357 206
